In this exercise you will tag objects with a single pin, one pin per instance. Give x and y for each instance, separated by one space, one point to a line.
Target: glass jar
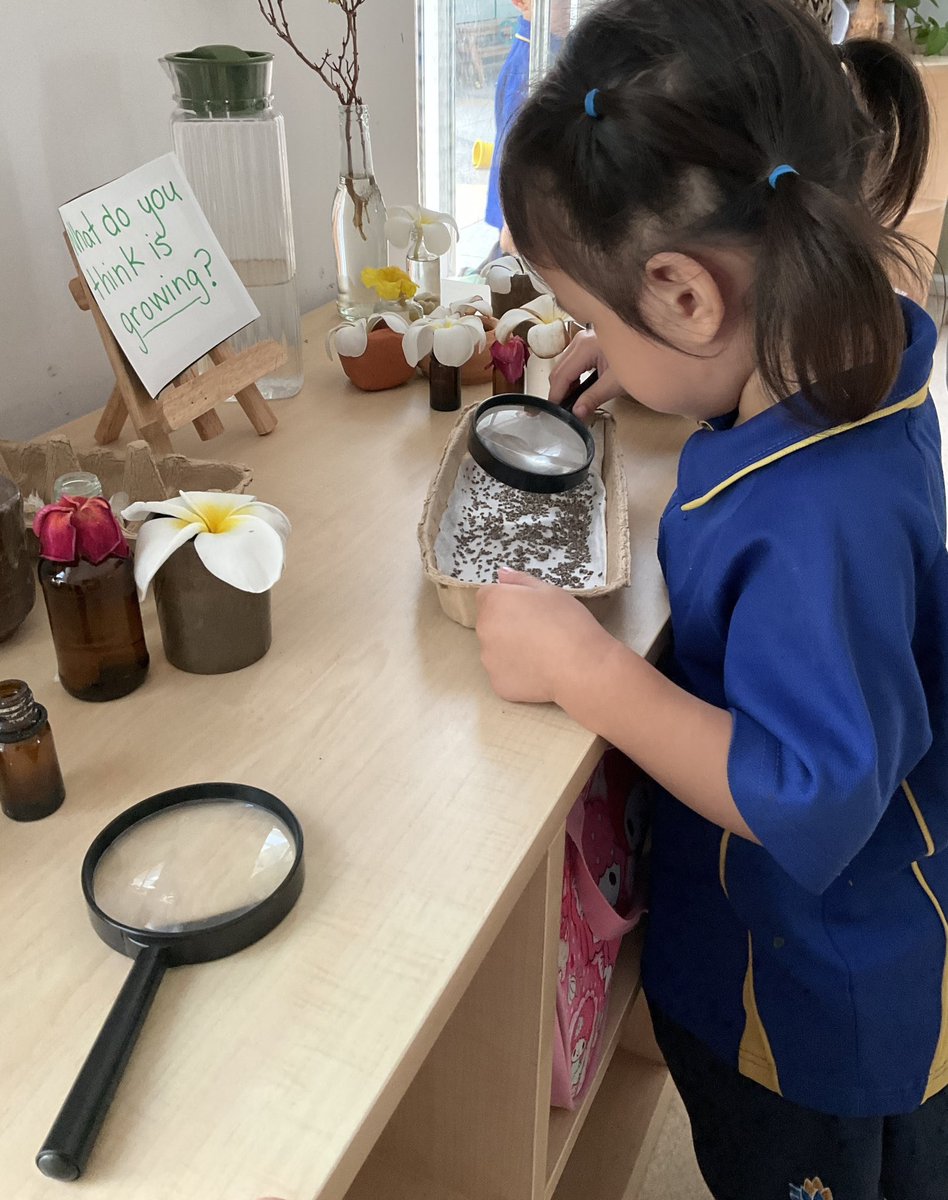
358 215
76 483
96 624
232 145
31 783
17 587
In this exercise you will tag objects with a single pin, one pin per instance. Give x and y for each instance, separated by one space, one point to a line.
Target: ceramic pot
383 364
207 626
521 292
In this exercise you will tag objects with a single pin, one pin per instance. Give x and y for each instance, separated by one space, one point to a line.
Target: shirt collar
721 454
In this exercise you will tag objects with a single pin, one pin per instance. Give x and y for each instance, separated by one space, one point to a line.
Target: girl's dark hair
698 101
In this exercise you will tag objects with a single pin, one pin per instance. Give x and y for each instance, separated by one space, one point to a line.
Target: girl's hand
535 638
580 356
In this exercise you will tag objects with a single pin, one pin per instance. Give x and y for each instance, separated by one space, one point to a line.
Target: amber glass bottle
31 784
444 386
96 624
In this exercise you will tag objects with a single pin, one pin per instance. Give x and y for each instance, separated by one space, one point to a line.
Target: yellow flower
815 1190
389 283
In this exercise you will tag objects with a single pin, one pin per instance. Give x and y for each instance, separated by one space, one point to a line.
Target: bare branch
340 73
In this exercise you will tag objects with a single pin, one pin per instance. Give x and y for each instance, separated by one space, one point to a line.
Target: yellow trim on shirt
938 1074
722 860
755 1057
911 402
939 1068
518 37
922 824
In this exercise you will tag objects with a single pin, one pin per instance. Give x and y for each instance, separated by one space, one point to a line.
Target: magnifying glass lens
193 866
532 440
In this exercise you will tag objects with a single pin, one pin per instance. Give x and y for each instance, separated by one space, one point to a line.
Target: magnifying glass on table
532 444
187 876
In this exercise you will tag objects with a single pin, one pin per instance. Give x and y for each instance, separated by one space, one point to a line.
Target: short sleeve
821 680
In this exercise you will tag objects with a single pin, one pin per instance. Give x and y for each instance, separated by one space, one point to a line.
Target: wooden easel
191 397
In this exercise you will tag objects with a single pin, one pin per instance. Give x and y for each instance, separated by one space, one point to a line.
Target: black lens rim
517 477
217 941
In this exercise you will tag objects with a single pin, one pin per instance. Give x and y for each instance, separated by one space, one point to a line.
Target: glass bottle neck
18 710
80 484
355 144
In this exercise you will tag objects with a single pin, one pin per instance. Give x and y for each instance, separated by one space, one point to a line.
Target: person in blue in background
509 97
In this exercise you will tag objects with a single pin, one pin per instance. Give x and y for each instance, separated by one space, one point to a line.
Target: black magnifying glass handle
68 1144
569 403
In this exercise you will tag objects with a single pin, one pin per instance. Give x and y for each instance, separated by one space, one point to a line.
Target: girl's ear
682 302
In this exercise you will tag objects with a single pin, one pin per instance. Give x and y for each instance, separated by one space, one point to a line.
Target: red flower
510 358
74 528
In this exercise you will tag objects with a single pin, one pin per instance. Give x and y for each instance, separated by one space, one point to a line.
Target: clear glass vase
358 215
424 268
231 143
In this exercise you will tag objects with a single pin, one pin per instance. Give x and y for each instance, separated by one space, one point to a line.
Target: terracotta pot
480 368
207 626
383 364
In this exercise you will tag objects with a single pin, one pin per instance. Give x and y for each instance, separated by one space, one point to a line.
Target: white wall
87 101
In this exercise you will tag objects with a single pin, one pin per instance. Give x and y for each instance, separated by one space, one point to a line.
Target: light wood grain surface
427 803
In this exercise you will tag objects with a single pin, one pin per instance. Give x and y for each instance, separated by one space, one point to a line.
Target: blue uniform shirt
808 581
511 92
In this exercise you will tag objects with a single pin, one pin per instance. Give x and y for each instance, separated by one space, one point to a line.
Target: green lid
218 80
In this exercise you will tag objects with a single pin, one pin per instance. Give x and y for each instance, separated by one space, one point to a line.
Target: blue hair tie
777 172
591 109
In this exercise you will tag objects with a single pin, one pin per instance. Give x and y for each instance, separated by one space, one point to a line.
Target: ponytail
827 319
890 88
827 316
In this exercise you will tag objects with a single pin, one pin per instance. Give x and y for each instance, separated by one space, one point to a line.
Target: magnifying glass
532 444
187 876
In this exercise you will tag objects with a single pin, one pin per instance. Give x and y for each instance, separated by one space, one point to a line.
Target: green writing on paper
111 244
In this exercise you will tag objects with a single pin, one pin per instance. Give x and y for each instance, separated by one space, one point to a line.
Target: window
466 48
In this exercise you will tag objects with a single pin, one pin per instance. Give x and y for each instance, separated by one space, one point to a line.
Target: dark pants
753 1145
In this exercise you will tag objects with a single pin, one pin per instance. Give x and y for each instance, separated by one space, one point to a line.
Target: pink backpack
602 901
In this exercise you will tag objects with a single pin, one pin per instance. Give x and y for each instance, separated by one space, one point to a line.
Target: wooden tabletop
426 804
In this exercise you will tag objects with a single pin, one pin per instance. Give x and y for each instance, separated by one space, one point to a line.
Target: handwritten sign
159 275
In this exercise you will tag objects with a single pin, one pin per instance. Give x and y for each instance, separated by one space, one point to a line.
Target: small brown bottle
31 783
444 386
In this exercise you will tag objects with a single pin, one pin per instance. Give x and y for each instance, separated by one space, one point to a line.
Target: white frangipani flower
423 226
549 332
238 539
452 338
470 307
351 338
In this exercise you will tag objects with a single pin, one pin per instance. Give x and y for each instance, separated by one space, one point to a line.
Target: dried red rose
79 528
510 358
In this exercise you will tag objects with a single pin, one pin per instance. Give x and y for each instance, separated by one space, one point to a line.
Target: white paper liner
485 554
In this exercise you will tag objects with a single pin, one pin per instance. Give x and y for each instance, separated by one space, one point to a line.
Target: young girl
712 188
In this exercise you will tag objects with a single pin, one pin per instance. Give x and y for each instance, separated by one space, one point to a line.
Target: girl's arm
540 644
